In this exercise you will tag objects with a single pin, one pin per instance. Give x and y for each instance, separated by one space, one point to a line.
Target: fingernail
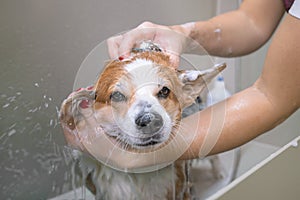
90 88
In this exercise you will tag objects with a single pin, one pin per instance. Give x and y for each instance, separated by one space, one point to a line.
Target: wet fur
108 183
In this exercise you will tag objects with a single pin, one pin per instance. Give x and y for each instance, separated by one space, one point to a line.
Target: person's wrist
194 37
183 35
190 34
184 29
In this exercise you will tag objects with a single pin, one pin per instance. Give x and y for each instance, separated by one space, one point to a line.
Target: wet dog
138 103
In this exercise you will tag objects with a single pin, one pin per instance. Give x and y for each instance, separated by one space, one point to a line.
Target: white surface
253 153
77 194
205 182
295 9
255 168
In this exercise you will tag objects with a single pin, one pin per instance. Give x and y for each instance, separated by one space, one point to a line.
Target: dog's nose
149 122
144 120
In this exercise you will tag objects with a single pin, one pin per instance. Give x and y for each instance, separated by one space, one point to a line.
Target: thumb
175 60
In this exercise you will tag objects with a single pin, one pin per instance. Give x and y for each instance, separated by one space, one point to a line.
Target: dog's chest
112 184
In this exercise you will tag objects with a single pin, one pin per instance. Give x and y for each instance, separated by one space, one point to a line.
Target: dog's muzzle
149 122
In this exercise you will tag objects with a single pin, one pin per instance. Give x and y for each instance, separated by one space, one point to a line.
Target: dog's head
138 102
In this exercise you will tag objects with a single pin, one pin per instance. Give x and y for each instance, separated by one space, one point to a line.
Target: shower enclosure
42 45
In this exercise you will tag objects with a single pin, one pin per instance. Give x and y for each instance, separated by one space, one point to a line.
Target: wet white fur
113 184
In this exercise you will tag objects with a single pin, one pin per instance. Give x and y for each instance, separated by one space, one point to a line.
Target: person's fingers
128 42
113 46
134 37
174 60
168 39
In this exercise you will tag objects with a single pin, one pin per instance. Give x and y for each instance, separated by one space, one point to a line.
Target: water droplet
11 132
12 126
218 30
294 144
36 85
33 110
11 99
28 118
6 105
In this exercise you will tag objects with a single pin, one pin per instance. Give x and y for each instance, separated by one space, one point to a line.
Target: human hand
172 40
83 131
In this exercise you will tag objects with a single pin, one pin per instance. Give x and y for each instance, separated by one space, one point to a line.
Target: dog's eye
163 93
117 97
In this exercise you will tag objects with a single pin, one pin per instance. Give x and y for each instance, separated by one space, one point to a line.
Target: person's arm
238 32
234 33
261 107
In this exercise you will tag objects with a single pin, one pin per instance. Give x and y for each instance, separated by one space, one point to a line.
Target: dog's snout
149 122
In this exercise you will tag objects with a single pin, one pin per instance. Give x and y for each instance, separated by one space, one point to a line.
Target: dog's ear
195 81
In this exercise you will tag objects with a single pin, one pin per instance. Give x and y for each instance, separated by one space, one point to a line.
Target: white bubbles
11 132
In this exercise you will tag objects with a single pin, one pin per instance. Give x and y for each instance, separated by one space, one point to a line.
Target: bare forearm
227 37
245 117
238 32
271 100
248 115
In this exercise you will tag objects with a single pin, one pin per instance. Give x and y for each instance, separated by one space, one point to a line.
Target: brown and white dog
139 102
